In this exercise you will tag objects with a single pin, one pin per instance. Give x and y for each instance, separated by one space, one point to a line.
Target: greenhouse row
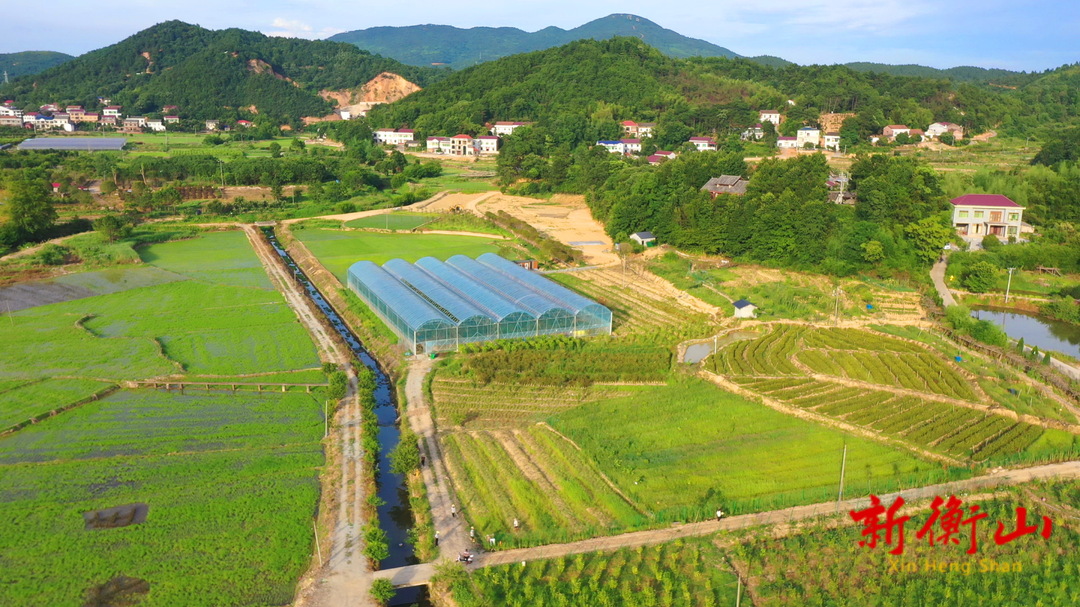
436 306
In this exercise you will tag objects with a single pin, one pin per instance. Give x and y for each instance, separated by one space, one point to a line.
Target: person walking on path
472 533
436 538
719 514
491 540
453 510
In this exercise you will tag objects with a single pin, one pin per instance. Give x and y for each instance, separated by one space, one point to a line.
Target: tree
406 456
112 227
275 149
980 277
928 237
1046 359
990 242
296 145
30 208
947 139
382 590
873 252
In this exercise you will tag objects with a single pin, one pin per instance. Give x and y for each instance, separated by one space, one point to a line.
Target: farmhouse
704 144
392 137
506 128
437 306
172 119
744 309
487 144
660 156
638 129
808 136
978 215
772 116
832 142
725 184
940 128
755 132
615 147
645 239
631 146
787 142
890 132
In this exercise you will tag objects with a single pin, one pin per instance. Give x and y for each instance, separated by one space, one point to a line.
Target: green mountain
960 74
210 74
460 48
577 93
30 62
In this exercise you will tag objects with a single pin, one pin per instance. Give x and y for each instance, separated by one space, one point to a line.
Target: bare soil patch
118 516
121 591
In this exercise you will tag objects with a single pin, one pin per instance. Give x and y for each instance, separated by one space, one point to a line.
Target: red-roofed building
172 119
977 215
462 145
243 123
112 110
504 127
392 137
631 146
638 129
891 131
704 144
787 142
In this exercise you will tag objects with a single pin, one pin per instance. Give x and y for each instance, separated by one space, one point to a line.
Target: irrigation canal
395 516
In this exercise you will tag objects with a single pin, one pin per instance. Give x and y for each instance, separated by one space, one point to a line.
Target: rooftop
984 200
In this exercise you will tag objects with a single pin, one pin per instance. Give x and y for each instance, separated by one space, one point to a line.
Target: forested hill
586 86
461 48
30 62
965 73
210 74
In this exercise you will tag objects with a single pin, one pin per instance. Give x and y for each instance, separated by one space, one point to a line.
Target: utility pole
738 591
317 545
5 77
1009 285
843 467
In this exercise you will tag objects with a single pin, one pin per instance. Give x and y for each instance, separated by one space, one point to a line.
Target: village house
704 144
808 136
109 120
10 120
660 156
615 147
244 123
172 119
755 132
832 141
392 137
462 145
772 116
890 132
8 110
62 118
631 146
345 114
75 112
156 125
638 129
487 144
211 125
645 239
112 110
50 107
90 117
940 128
787 142
725 184
434 145
916 134
502 128
744 309
978 215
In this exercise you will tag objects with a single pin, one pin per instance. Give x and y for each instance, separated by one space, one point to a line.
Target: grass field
687 573
231 485
683 450
223 258
25 401
337 250
393 221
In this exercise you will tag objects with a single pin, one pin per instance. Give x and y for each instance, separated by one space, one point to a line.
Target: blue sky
1025 35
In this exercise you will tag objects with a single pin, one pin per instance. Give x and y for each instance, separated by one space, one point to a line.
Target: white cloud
293 28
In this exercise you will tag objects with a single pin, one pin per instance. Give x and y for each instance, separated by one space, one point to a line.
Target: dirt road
344 578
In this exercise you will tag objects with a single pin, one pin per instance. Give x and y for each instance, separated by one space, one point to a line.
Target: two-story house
977 215
832 142
487 144
704 144
615 147
502 128
890 132
462 145
112 110
638 129
755 132
787 142
631 146
808 136
393 137
772 116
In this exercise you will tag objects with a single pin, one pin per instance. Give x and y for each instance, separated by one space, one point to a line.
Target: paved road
937 274
420 574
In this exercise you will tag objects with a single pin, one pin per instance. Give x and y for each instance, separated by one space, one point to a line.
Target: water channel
395 517
1046 333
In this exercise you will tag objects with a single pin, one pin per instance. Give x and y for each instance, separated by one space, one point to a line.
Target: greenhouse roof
412 308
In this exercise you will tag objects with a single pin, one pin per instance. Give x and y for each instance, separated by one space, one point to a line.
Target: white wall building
808 135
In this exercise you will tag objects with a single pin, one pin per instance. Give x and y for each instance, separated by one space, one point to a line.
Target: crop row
840 408
843 394
914 371
855 339
1013 440
766 355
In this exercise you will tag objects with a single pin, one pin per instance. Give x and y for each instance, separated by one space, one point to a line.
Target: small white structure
787 142
211 125
745 309
615 147
435 145
832 141
940 128
345 114
487 144
645 239
631 146
155 125
507 128
755 132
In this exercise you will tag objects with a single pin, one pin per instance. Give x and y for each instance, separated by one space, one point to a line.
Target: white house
172 119
615 147
940 128
704 144
661 156
10 120
434 144
155 125
631 146
832 141
645 239
787 142
745 309
507 128
211 125
6 110
977 215
487 144
755 132
462 145
890 132
345 114
112 110
392 137
808 135
772 116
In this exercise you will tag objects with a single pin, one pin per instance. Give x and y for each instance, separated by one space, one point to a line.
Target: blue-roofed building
436 306
744 309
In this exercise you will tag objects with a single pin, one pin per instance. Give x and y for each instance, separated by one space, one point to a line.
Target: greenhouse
436 306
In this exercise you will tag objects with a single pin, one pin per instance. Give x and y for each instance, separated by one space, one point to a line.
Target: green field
231 484
684 573
685 449
393 221
26 401
337 250
223 258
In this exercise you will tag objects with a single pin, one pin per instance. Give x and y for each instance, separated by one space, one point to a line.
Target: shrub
382 590
980 277
991 242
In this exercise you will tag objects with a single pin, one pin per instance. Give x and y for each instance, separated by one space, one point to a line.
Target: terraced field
462 403
918 402
534 475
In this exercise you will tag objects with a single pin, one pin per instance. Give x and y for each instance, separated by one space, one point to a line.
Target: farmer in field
719 514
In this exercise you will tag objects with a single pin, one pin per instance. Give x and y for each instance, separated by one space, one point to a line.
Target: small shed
645 239
744 309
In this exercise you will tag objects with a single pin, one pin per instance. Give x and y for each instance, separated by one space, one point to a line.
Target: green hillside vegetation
964 73
460 48
209 74
30 62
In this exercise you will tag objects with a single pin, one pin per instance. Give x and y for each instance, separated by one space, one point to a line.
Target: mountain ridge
30 62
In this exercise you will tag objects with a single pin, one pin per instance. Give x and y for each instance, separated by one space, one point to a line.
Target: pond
1046 333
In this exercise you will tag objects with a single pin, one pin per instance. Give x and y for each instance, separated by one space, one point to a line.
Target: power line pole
1009 285
843 467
